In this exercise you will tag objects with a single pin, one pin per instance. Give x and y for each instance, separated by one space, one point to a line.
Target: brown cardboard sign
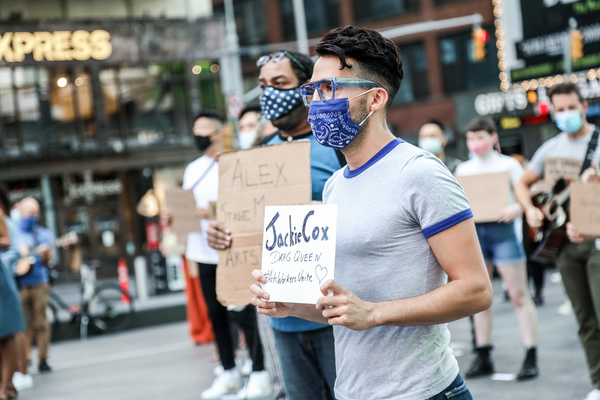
559 167
488 194
249 180
585 208
182 206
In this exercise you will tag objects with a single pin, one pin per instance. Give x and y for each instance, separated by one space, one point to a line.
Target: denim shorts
456 391
499 244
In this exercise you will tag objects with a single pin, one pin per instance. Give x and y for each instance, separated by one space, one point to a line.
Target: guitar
29 257
549 238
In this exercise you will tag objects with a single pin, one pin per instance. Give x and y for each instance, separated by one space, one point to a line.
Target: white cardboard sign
298 251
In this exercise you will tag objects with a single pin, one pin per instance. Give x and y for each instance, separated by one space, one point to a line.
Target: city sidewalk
161 361
563 370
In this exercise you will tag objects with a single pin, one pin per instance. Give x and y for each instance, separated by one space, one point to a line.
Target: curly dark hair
377 58
564 88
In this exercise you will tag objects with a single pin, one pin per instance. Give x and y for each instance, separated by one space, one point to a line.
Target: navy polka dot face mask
276 103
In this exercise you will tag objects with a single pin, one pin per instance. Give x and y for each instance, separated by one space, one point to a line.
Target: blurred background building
96 96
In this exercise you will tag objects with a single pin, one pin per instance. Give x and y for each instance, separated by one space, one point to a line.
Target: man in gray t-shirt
404 225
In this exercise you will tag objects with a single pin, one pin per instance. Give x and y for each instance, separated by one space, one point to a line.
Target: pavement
161 362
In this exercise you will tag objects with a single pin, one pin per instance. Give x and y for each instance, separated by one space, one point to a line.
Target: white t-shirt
205 191
492 163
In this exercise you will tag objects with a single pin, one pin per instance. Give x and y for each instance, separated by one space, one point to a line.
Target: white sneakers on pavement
227 382
244 367
22 381
593 395
257 387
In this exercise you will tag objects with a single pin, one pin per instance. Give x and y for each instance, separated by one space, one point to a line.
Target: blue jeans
308 363
456 391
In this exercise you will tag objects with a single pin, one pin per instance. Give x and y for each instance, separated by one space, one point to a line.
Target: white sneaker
22 381
593 395
245 368
228 381
218 370
257 387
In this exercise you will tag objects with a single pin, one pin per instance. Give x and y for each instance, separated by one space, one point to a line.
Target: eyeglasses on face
326 88
276 57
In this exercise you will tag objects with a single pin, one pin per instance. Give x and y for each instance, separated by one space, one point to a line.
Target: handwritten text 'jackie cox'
294 236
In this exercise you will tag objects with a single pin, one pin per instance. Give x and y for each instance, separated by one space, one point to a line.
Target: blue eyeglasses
326 88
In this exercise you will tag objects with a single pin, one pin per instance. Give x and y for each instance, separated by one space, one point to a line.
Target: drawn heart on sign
321 273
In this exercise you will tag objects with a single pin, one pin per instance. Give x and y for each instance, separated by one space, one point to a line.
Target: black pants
222 322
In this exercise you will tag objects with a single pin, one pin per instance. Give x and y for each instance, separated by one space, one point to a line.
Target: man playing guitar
578 260
34 289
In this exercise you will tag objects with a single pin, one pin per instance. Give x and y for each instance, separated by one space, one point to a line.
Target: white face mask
431 144
246 139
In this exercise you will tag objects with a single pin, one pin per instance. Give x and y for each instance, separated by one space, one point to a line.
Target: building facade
96 96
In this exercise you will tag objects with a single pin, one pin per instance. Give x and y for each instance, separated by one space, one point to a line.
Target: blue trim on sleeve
348 173
447 223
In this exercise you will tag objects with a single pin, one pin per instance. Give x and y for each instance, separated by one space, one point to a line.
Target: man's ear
380 98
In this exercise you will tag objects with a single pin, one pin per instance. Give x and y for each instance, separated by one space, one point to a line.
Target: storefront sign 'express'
55 46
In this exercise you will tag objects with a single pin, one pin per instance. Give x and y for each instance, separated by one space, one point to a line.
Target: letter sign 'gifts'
249 180
298 251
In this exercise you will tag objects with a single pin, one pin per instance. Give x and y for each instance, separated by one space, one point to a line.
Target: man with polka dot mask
305 349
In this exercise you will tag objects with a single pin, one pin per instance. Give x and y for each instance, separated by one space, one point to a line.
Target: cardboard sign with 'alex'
298 251
249 180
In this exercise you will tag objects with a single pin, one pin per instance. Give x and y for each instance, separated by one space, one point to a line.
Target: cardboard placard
585 208
488 194
249 180
298 251
559 167
182 205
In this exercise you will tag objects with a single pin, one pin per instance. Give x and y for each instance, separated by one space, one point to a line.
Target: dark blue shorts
499 244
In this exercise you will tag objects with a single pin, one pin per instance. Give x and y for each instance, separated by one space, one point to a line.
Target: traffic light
479 39
576 44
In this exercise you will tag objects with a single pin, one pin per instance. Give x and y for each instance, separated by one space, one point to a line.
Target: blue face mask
331 123
275 103
27 224
569 121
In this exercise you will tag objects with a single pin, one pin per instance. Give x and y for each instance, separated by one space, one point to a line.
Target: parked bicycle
104 307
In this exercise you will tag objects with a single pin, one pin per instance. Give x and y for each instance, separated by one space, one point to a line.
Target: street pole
300 20
231 68
567 46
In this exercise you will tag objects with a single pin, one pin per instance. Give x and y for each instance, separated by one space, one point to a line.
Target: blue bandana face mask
331 123
276 103
569 121
27 224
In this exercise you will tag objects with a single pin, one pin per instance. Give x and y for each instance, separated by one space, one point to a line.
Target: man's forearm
445 304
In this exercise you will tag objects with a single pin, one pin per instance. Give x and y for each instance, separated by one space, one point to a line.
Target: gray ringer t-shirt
386 211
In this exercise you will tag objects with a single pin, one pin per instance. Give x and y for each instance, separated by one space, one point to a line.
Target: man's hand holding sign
298 262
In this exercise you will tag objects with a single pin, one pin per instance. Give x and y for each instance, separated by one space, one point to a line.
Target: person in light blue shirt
34 288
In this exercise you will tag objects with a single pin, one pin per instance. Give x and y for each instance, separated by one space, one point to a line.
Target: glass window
249 20
459 69
369 10
321 15
415 84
